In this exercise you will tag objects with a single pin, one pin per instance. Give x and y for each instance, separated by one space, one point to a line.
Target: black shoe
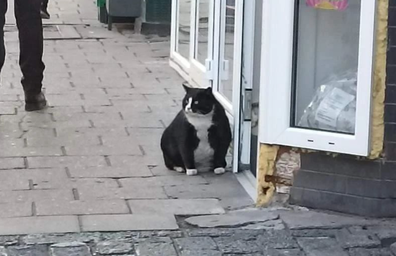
45 15
36 102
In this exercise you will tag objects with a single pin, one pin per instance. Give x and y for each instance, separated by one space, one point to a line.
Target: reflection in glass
184 26
201 51
226 85
325 66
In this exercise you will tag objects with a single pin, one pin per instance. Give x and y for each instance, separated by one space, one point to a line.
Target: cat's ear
209 90
186 87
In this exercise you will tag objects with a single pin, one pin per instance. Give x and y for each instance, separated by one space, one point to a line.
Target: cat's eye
196 102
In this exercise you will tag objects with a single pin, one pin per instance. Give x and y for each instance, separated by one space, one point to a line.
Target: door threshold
249 183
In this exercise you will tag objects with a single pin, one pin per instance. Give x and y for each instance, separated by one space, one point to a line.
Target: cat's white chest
203 154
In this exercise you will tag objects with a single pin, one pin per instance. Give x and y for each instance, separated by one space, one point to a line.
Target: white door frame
198 74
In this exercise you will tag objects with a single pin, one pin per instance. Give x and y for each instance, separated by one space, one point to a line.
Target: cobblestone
113 247
192 241
70 249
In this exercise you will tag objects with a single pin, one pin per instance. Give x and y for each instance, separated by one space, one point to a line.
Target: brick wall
390 97
349 185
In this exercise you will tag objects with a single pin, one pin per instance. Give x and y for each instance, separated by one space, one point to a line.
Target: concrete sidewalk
92 161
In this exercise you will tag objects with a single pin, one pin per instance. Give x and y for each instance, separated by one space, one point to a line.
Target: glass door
226 50
202 48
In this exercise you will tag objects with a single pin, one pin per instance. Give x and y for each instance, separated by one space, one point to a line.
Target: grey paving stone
176 206
176 180
128 222
234 191
348 240
321 246
97 192
34 176
73 183
237 202
70 249
8 241
12 163
31 151
386 234
66 161
268 225
13 181
139 170
78 207
310 220
210 232
155 249
369 252
113 247
315 232
125 149
287 252
277 240
32 225
201 253
231 245
3 251
149 234
36 250
49 239
195 244
236 218
35 195
23 209
64 141
393 248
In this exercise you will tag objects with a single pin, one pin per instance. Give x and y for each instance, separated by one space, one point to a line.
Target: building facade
308 86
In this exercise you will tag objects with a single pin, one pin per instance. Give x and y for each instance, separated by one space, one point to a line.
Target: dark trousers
27 14
45 4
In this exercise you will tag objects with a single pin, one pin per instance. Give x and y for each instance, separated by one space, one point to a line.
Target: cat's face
198 101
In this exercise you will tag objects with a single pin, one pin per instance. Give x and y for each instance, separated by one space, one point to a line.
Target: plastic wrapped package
333 106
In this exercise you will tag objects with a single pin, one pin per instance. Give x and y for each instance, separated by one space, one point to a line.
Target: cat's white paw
179 169
192 172
219 170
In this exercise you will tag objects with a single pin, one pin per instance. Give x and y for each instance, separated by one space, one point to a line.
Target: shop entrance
208 42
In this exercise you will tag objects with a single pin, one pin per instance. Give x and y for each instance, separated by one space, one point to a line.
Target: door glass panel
325 65
201 50
184 27
226 78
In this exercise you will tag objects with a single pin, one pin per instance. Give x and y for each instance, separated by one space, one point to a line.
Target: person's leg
30 28
3 10
44 10
45 4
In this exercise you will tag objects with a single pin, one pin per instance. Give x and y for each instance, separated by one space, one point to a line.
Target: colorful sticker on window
328 4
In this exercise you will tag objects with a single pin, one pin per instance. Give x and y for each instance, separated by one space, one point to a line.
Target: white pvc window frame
276 84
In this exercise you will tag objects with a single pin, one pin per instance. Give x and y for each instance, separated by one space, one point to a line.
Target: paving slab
112 247
312 219
321 246
128 222
70 249
176 206
32 225
78 207
236 218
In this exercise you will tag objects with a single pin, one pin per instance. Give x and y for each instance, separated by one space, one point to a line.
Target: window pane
325 64
202 31
226 85
184 27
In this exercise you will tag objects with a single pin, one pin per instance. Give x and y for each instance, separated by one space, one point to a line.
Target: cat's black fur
199 136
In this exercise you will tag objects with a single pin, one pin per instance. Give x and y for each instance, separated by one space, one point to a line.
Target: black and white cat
199 136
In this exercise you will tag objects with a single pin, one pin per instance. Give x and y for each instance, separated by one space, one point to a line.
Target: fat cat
199 137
